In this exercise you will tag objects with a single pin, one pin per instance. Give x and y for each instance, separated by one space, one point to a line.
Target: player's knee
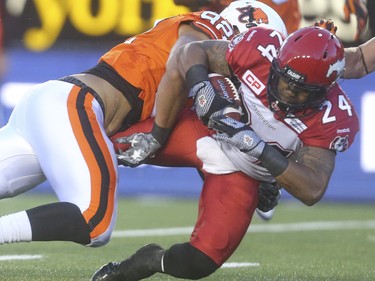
14 187
100 240
201 265
101 234
185 261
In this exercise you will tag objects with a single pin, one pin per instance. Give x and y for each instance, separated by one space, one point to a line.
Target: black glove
237 134
207 102
268 196
143 145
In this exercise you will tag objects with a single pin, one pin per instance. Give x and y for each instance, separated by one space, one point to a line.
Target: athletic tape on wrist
161 134
273 161
195 74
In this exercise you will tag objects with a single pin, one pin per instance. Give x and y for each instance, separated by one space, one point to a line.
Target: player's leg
226 207
78 160
19 166
19 172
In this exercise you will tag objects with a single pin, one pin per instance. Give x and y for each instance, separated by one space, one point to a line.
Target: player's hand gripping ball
226 89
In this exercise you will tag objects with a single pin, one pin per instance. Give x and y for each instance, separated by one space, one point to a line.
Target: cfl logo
202 101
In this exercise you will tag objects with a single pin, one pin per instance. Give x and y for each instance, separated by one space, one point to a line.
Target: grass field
324 242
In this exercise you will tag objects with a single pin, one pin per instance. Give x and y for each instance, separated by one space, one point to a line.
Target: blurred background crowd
39 25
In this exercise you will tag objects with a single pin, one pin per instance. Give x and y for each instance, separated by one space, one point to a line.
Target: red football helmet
311 59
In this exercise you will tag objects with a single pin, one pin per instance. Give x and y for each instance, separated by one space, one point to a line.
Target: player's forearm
306 179
171 94
190 55
368 50
354 67
209 53
303 184
170 100
359 61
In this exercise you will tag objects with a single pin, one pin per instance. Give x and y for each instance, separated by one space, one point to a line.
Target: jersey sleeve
254 49
336 125
212 24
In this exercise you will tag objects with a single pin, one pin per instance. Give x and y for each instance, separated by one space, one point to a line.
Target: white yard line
256 228
20 257
240 264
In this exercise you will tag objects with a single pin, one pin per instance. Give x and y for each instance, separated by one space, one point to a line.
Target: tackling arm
172 94
360 61
170 99
209 53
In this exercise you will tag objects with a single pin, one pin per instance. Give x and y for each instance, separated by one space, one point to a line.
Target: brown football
225 87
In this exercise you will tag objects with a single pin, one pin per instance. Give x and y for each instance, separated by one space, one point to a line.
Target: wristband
195 74
160 134
273 160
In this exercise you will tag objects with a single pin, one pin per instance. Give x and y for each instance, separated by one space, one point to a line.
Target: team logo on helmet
259 16
252 15
337 67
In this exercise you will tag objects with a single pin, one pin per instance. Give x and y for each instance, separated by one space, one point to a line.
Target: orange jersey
141 59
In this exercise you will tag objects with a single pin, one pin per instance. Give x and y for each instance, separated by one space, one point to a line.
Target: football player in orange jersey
60 131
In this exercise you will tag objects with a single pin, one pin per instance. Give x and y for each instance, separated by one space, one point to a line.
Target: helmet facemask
315 99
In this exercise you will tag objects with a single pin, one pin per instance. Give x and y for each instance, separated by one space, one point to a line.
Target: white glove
237 134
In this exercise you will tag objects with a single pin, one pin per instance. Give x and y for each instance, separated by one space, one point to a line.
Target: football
225 87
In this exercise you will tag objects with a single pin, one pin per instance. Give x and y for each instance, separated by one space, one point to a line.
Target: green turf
344 254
